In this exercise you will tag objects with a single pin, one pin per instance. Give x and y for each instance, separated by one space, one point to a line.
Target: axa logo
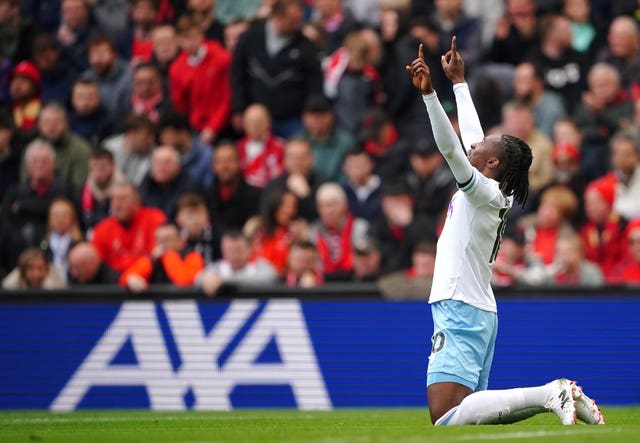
278 321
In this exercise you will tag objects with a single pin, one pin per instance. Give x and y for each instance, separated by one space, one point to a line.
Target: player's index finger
421 52
454 44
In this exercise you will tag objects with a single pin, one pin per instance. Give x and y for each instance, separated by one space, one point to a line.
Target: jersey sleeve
482 190
447 140
470 128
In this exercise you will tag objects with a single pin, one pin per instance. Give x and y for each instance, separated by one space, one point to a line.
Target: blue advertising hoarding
216 355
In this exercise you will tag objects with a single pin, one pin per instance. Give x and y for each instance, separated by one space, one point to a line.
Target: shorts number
502 215
437 342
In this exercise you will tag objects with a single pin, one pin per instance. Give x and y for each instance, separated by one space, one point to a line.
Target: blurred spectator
280 228
488 13
362 186
72 152
165 51
510 262
518 120
62 234
33 272
132 149
110 15
195 156
298 178
261 153
358 85
453 20
16 32
587 28
557 207
11 145
45 16
515 33
625 162
366 261
112 75
379 137
430 179
547 106
168 262
563 67
603 234
134 43
88 117
628 271
570 266
25 88
230 199
86 267
415 282
75 32
274 64
25 205
166 181
335 232
95 195
232 32
235 266
128 233
199 80
303 268
599 115
204 12
399 230
623 52
148 97
56 72
329 142
195 226
337 21
566 168
366 12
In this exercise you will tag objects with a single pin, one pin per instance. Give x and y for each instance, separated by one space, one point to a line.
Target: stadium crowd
201 142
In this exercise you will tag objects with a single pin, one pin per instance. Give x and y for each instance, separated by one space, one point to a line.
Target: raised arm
443 132
470 128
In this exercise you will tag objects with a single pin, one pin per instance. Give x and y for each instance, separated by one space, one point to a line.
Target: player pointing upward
490 178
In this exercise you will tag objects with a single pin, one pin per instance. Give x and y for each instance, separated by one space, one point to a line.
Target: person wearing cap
367 261
329 142
603 234
430 180
628 270
25 88
56 72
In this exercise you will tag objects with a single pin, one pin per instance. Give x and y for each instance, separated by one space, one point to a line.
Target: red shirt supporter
628 272
258 168
603 234
199 80
129 233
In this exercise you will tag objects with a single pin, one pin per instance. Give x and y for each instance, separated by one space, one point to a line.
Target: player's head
506 159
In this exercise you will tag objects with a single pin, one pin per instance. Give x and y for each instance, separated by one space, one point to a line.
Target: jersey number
502 215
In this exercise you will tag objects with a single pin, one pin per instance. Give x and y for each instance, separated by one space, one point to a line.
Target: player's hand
420 74
452 63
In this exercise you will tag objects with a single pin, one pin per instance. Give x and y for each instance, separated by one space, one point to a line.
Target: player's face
481 152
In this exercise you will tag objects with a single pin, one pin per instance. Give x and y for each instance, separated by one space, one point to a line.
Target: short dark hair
174 120
188 22
234 234
147 65
191 201
279 7
303 244
103 40
136 122
395 188
101 153
425 247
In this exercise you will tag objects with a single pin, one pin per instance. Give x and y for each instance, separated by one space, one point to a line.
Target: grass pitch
290 426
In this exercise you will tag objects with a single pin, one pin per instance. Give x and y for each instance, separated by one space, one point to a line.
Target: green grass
290 426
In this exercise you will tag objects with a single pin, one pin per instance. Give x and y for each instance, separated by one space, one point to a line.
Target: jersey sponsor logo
212 362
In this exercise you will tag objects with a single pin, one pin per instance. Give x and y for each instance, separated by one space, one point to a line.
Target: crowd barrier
332 347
